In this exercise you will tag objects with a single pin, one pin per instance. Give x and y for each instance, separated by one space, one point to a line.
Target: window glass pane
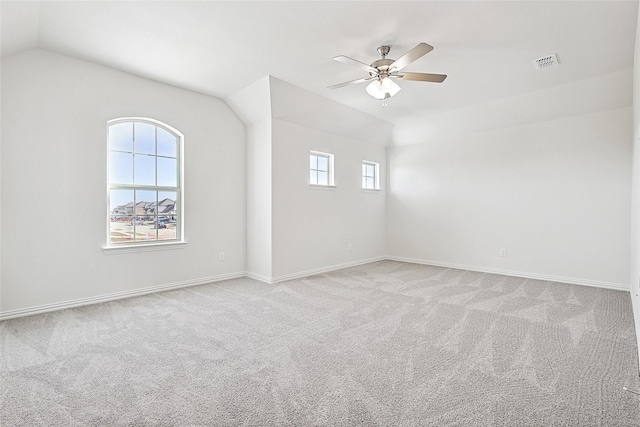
370 170
143 219
323 163
147 219
145 227
166 230
323 178
167 205
313 162
313 177
167 143
121 137
167 215
121 226
145 200
167 172
145 138
121 202
120 229
120 168
145 170
371 183
364 169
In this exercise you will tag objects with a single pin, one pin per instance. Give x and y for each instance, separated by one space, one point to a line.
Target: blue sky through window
133 155
141 154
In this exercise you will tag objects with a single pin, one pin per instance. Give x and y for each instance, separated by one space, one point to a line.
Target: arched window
144 182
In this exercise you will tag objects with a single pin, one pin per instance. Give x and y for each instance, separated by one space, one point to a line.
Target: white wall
292 229
252 104
581 97
293 104
312 228
635 190
555 194
259 204
54 114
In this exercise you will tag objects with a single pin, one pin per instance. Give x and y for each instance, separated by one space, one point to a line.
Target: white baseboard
11 314
635 302
202 281
259 277
321 270
526 275
312 272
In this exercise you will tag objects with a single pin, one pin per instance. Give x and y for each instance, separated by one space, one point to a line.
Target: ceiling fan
383 70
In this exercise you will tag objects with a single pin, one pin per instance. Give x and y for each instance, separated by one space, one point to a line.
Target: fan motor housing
382 64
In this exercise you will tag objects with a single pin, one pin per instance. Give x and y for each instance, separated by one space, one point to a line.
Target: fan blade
347 60
352 82
409 57
422 77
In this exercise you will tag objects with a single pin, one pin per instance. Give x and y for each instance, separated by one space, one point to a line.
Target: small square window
370 175
320 168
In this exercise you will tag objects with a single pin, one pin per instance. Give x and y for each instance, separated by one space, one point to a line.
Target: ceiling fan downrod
384 51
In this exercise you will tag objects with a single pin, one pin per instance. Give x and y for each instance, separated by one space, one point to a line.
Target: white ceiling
218 48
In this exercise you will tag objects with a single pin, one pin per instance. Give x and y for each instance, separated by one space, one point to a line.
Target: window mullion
142 187
135 202
155 183
133 155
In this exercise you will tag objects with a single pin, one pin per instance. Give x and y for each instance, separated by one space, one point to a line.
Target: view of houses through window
144 182
149 216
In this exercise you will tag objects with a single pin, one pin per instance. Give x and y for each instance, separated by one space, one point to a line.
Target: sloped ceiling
271 98
218 48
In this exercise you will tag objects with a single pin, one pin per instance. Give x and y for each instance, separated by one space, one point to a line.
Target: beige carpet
389 344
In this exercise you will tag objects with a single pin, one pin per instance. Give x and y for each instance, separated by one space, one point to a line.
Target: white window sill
371 190
127 249
322 187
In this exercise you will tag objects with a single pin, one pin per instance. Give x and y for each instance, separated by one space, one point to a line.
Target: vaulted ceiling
486 48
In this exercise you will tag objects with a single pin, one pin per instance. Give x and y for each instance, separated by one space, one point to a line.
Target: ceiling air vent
545 62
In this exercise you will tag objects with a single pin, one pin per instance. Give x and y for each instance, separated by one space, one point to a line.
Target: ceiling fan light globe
386 84
375 89
391 87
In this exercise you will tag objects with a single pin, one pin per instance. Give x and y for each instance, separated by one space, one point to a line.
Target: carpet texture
383 344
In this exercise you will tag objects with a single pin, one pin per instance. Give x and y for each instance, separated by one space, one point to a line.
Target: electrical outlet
503 252
221 256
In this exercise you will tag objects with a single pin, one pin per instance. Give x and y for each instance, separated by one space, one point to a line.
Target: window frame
143 245
376 175
330 169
